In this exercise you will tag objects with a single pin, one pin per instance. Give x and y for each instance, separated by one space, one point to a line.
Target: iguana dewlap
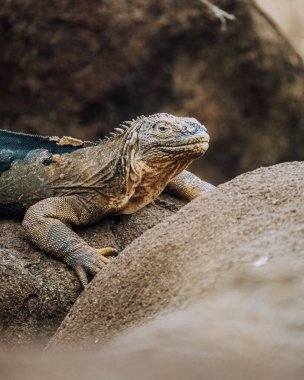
59 183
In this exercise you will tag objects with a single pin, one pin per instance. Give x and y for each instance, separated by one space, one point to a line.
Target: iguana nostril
190 128
194 128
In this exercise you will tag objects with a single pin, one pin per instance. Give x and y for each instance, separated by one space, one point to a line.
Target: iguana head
162 137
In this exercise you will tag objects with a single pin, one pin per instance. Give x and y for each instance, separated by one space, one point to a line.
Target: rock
253 221
250 324
36 291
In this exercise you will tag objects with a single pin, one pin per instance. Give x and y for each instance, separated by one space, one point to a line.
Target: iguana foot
91 262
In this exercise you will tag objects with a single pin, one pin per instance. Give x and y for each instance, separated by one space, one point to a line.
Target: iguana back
16 146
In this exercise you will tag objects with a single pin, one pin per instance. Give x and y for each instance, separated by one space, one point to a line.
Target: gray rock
255 219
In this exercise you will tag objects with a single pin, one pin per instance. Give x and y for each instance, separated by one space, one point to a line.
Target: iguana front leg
47 224
188 185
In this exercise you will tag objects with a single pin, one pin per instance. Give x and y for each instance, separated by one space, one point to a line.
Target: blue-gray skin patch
6 159
19 146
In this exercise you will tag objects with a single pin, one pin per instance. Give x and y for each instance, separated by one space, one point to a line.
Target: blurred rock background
80 68
289 15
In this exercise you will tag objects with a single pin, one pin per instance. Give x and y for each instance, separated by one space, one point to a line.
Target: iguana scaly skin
65 182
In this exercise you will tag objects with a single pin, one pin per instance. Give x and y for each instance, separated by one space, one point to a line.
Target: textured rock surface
36 291
256 219
251 326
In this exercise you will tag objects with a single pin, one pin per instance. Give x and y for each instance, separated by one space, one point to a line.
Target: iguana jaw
185 149
193 148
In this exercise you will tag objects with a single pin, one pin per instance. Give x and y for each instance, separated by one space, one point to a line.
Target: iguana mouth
191 141
189 144
197 147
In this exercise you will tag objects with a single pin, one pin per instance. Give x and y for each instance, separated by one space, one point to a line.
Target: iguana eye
163 128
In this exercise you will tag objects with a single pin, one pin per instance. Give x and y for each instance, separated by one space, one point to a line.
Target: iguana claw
93 266
107 251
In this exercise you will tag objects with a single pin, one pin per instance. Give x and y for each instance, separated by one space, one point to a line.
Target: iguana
57 183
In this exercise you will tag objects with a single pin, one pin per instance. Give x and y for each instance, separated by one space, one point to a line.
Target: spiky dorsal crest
128 125
131 124
123 128
119 131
